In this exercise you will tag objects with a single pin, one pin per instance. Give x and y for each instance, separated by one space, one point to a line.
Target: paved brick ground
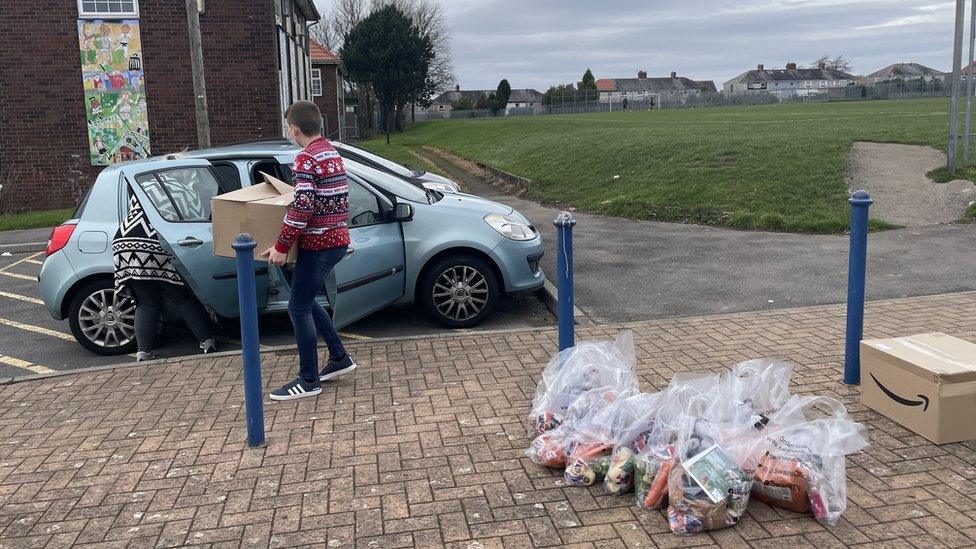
422 447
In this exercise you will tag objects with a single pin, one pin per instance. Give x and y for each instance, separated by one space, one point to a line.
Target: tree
837 63
387 52
463 103
588 85
485 102
557 94
502 94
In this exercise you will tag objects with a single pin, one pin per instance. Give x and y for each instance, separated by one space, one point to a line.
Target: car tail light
59 238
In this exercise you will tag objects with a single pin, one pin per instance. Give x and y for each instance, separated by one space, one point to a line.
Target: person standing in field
317 222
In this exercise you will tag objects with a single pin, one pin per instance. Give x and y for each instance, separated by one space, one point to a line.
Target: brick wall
328 102
43 133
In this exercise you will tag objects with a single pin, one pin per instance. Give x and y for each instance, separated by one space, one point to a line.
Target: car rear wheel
459 291
102 321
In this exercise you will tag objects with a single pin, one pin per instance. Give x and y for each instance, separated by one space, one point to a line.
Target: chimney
823 65
760 67
791 66
457 87
674 75
641 74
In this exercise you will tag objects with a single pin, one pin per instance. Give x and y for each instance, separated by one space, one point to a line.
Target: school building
87 83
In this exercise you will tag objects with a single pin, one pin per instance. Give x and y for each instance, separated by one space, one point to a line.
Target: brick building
327 88
130 92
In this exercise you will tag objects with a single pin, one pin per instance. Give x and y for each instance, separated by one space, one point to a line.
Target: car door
177 202
371 276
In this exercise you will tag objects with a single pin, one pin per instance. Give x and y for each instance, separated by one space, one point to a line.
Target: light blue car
452 253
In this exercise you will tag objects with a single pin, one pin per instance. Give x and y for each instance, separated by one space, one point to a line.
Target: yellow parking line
19 261
22 298
20 276
36 329
24 365
355 336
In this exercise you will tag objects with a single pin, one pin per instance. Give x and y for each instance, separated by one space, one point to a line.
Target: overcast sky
537 43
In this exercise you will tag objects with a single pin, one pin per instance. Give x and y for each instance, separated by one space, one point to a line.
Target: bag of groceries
585 366
715 455
638 417
552 448
591 443
803 466
763 384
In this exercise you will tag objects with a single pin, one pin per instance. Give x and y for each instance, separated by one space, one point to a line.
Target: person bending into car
317 222
145 270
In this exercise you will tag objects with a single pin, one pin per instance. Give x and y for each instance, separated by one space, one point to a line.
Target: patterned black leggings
149 306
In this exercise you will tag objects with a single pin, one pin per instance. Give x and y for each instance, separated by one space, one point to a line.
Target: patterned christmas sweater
318 218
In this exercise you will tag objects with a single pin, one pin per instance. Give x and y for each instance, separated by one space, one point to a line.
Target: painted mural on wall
115 90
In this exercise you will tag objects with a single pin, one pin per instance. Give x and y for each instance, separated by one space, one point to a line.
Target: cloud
537 43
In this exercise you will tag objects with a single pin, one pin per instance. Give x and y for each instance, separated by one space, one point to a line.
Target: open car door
176 198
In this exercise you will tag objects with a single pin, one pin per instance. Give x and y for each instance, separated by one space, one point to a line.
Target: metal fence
577 102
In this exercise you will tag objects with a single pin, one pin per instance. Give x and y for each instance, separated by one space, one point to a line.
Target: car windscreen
388 182
368 156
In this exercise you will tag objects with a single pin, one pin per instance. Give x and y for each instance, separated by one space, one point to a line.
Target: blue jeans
307 316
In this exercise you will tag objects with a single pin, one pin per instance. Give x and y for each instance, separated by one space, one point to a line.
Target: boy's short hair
306 116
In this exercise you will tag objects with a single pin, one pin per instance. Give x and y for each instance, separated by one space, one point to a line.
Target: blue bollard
564 223
247 297
857 262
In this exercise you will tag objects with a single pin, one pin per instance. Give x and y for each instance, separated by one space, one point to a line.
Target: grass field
778 167
34 220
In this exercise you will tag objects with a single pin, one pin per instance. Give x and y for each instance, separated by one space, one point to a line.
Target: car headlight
439 187
509 227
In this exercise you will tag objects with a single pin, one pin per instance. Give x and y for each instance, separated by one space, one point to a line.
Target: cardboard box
257 210
925 382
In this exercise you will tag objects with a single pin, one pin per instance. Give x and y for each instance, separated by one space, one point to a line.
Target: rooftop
791 73
905 70
644 84
321 54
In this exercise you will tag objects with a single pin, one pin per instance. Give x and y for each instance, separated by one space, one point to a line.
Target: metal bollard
564 223
857 262
247 297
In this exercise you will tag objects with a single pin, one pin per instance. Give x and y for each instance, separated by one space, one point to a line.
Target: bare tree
838 63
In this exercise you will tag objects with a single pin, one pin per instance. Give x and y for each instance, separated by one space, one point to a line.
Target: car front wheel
459 291
102 321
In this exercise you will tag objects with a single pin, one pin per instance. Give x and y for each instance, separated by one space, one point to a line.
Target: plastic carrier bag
763 384
586 366
803 467
638 419
685 395
552 448
591 444
714 464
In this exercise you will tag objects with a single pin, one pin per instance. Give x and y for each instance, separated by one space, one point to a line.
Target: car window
230 176
364 208
182 194
388 182
374 160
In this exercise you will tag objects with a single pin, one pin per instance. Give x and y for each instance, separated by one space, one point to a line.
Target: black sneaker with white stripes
336 368
297 389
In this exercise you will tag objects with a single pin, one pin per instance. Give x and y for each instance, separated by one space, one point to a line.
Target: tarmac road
31 342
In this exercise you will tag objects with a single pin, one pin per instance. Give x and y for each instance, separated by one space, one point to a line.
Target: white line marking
24 365
20 276
22 298
36 329
355 336
34 261
19 261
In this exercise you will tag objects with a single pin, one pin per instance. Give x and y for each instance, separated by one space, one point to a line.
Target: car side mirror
402 212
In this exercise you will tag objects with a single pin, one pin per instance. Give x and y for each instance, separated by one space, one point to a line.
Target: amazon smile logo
924 402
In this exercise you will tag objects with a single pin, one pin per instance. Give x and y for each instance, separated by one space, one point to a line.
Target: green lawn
778 167
34 220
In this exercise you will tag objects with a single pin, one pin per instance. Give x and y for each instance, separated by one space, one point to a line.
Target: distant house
657 90
523 99
326 88
789 81
905 71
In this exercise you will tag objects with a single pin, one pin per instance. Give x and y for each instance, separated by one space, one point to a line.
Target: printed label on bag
710 469
779 493
562 402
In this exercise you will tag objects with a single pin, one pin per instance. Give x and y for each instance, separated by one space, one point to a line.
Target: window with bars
108 8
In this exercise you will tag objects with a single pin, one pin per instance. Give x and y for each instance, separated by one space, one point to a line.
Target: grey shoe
208 346
143 356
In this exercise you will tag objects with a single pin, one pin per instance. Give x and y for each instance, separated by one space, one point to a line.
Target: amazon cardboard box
925 382
257 210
